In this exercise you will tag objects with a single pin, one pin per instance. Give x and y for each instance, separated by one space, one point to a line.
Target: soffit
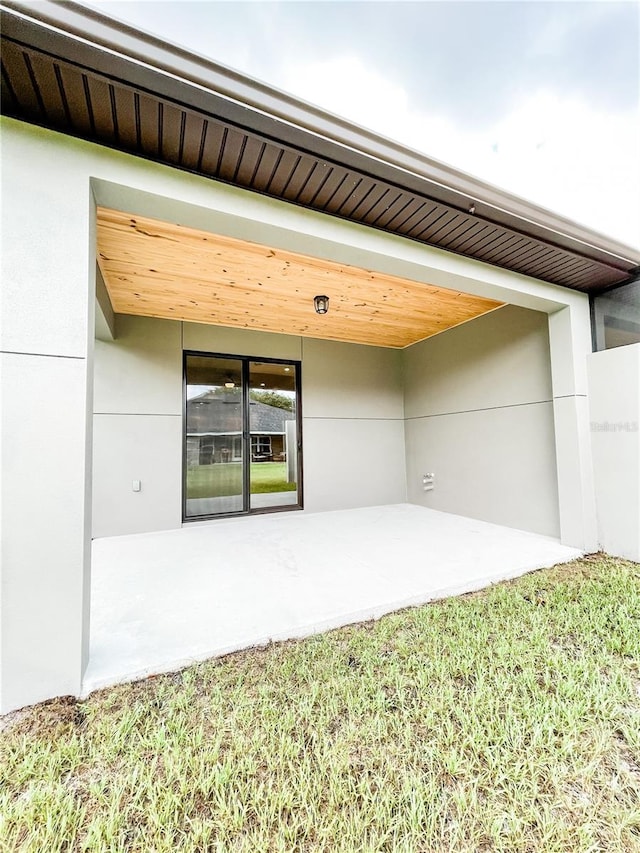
84 74
156 269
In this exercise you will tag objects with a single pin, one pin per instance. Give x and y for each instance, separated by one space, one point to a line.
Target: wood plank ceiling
156 269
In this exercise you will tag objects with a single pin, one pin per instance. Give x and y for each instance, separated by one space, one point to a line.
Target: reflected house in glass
214 429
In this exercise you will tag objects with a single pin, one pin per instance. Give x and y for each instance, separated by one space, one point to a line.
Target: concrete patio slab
163 600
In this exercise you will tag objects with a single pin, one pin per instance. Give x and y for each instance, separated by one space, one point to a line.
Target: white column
45 371
570 342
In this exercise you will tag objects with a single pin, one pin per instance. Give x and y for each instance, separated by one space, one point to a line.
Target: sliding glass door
242 435
273 409
214 446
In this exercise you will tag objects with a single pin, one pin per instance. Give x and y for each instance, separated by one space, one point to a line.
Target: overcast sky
540 98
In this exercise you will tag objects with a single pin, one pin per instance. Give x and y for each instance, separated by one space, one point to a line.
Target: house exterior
157 206
213 426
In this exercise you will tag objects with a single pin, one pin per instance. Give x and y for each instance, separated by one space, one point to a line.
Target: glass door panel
273 427
214 471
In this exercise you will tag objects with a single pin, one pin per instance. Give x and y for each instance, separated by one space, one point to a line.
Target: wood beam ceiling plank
159 269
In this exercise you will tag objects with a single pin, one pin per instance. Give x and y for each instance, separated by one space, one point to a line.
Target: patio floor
163 600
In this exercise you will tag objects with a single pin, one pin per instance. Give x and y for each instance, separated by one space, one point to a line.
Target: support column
45 427
570 342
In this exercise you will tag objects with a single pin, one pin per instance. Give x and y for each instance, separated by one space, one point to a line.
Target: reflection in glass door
274 434
242 435
214 471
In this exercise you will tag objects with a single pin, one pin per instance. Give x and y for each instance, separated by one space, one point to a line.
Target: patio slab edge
300 632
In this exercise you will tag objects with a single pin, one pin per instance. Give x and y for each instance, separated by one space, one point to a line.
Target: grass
507 720
214 481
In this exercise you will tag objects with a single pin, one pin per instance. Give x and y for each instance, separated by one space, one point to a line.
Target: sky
541 99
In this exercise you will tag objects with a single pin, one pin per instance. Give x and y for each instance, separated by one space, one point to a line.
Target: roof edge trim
94 28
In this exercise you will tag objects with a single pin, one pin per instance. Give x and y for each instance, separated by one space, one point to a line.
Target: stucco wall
50 186
352 406
614 405
473 404
46 333
479 415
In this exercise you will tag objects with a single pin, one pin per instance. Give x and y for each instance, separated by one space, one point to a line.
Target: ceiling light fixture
321 304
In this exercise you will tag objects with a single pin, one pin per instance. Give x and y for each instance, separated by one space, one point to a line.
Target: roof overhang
79 72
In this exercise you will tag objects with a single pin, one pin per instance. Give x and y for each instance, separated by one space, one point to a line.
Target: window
260 445
615 317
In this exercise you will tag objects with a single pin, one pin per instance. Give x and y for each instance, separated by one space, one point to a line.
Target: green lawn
214 481
507 720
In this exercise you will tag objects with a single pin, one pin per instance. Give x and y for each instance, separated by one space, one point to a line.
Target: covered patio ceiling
157 269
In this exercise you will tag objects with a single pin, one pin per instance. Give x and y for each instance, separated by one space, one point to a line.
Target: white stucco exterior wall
46 340
51 184
476 405
479 415
138 428
352 407
570 345
614 406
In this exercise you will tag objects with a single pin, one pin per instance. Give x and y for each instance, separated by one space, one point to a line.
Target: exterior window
260 446
242 439
615 317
